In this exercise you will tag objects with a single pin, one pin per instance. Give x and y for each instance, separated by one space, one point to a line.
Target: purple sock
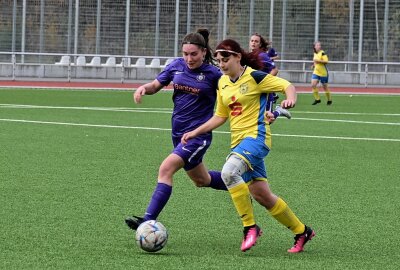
276 114
216 181
159 199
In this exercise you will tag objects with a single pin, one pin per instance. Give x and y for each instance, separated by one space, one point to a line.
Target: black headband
194 43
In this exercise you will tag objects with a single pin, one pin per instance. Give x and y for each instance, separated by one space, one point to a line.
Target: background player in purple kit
258 44
195 81
271 51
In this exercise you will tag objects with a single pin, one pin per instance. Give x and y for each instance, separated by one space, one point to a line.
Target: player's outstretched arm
211 124
147 89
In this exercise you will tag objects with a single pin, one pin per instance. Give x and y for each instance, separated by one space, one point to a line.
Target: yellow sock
328 94
315 93
282 213
241 199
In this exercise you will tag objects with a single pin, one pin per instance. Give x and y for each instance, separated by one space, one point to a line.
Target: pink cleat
301 239
251 234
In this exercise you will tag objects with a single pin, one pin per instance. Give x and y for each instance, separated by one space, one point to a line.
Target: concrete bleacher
81 60
167 62
155 63
96 61
111 62
140 62
65 60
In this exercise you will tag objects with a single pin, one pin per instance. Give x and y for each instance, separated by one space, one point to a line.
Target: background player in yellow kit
320 74
242 98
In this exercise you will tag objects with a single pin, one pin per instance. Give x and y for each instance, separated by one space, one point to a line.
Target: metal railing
124 62
121 62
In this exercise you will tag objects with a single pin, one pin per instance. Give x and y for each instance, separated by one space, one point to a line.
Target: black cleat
134 222
329 102
316 102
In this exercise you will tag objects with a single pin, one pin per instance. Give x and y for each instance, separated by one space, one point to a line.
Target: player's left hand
269 116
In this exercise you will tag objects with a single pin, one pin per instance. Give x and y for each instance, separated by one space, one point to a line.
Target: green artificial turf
75 163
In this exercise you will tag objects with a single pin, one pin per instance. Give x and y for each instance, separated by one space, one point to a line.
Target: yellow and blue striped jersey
319 68
244 102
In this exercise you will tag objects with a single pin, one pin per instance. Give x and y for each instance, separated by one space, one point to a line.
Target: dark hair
315 43
230 47
263 43
200 38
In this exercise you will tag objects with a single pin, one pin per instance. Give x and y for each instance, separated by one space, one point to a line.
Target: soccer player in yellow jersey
320 74
241 98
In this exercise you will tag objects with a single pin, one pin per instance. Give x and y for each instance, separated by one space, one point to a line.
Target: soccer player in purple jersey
195 81
271 51
258 43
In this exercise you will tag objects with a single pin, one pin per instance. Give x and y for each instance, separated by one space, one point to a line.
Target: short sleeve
167 75
273 84
324 56
272 52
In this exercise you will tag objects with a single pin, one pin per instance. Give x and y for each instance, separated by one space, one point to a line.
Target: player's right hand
137 96
186 137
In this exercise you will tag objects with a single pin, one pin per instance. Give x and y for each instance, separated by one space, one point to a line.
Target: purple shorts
192 153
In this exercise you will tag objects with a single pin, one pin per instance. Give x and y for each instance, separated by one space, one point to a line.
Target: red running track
115 85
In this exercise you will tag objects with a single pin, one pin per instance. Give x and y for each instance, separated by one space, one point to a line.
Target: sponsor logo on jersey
236 107
187 89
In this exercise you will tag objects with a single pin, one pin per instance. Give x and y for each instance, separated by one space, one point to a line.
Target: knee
165 171
233 169
230 177
226 174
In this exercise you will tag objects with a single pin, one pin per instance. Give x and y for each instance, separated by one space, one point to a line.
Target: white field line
381 92
169 111
168 129
348 121
123 109
349 113
158 110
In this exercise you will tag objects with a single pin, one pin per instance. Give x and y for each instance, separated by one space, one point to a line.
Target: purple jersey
272 52
268 62
194 94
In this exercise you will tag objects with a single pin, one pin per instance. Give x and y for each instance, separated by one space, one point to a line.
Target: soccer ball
151 236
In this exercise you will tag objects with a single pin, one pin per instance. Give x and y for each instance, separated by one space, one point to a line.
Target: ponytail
200 38
209 55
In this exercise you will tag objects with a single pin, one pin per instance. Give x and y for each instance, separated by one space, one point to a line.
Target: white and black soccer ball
151 236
